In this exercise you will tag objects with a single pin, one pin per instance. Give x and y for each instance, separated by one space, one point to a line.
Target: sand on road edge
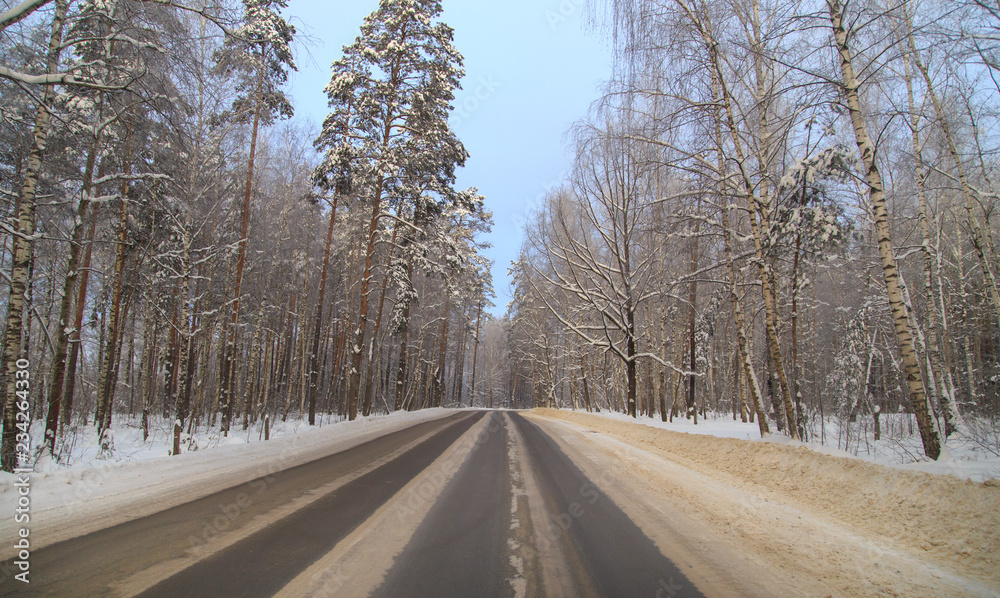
940 520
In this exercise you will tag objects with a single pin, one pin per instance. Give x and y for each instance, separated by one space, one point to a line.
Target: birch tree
24 245
876 195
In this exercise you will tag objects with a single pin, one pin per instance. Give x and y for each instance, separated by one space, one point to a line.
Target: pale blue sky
532 68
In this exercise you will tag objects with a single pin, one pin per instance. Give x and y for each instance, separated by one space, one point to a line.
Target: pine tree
259 54
387 136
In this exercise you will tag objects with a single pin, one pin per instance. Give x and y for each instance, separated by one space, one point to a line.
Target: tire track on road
608 554
460 549
263 563
90 565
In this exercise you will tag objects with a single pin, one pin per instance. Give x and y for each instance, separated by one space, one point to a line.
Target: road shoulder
746 535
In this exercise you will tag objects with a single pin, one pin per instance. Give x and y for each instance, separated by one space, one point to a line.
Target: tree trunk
401 364
366 406
126 305
267 376
945 392
318 323
148 366
439 375
965 317
799 416
229 353
65 335
745 353
754 207
24 246
459 383
762 208
252 389
475 359
904 336
630 361
586 388
692 412
105 387
357 349
182 400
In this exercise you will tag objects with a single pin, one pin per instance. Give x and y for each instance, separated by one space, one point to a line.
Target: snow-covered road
517 504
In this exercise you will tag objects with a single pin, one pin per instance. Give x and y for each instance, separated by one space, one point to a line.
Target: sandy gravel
816 524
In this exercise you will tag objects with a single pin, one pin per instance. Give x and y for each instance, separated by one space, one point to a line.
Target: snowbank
950 519
966 461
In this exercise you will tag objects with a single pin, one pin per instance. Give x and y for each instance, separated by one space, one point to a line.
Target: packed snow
779 520
970 455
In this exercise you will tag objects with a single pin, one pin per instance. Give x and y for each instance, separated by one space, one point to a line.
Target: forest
779 211
177 249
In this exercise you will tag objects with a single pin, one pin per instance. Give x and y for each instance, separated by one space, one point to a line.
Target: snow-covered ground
900 447
90 491
79 447
779 518
783 520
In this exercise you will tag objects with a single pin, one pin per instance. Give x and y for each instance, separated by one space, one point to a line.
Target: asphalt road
460 549
606 553
476 537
